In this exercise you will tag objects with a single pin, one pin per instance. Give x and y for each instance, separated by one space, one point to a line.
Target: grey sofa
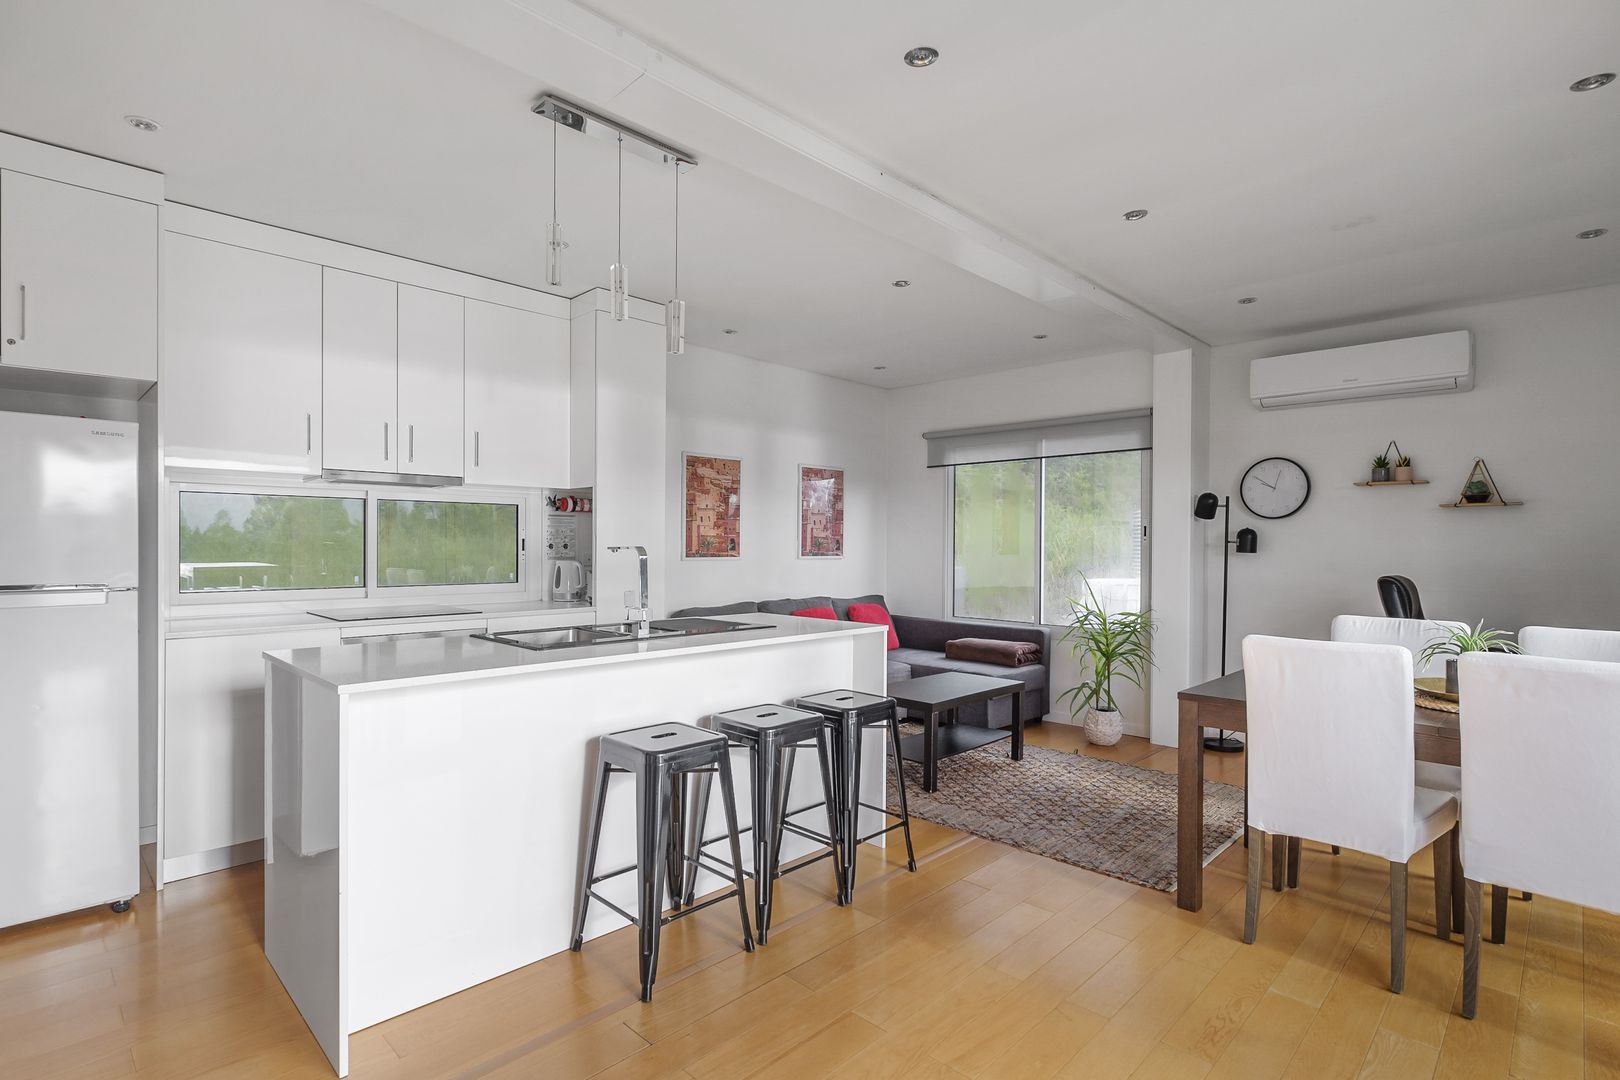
922 650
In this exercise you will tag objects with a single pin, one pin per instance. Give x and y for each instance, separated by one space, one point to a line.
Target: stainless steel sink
561 638
572 637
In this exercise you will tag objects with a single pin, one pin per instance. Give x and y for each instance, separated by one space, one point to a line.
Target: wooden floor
988 962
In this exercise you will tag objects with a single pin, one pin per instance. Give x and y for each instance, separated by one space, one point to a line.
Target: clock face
1275 487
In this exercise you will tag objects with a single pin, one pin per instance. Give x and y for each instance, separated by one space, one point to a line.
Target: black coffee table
942 695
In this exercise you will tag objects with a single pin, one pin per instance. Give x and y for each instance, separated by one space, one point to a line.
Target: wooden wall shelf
1481 505
1389 483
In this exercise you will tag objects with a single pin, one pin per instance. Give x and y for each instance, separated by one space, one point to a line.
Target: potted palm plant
1465 640
1109 645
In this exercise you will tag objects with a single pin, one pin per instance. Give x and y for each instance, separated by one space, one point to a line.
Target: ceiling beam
581 55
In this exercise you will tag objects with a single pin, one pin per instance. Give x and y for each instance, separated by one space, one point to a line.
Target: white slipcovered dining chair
1539 759
1331 749
1570 643
1413 635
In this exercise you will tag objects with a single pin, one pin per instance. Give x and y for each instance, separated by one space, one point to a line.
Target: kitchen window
421 542
244 542
1040 510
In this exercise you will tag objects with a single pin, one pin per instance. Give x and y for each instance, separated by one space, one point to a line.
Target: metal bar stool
772 735
848 713
658 756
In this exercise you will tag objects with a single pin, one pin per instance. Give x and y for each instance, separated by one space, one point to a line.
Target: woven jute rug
1101 815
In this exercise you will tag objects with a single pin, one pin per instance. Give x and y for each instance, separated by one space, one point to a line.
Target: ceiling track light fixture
675 310
554 240
1591 234
1135 215
1592 82
922 56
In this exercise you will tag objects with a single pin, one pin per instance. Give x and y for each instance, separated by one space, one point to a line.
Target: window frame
294 599
949 580
377 591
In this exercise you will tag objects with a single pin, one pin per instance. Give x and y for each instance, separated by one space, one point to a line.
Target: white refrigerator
69 702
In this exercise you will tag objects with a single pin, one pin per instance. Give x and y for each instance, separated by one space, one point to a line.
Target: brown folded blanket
991 651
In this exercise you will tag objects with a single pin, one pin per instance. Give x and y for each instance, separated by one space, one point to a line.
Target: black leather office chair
1400 597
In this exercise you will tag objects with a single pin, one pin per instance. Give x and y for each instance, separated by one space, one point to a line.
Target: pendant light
554 240
675 310
618 276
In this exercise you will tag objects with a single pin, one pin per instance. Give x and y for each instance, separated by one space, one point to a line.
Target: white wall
1545 415
775 419
919 528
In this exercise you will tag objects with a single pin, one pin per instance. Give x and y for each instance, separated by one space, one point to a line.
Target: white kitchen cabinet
517 385
360 360
78 279
242 356
213 746
430 382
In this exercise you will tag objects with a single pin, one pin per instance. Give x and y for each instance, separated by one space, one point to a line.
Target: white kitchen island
425 797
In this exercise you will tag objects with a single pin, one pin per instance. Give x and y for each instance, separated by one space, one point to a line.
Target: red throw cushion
878 614
817 613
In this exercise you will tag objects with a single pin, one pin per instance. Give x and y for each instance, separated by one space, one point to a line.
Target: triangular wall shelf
1479 481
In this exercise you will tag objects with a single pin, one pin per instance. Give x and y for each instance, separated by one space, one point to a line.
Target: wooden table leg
1018 725
1189 810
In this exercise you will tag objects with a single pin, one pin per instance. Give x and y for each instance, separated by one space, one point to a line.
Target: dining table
1223 703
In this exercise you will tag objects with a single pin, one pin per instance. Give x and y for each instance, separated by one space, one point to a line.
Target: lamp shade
1248 541
1206 506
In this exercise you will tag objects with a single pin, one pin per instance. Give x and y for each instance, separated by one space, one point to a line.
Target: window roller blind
1100 434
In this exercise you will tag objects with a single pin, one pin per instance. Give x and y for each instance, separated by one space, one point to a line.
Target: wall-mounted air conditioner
1431 364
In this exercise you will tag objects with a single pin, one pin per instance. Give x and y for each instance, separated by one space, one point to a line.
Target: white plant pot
1104 726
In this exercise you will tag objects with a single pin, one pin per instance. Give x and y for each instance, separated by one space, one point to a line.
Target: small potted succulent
1465 640
1476 491
1380 469
1109 645
1403 470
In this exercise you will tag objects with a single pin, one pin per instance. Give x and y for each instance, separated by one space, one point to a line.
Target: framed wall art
821 512
712 494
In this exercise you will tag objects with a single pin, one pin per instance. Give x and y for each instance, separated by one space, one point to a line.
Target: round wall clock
1275 487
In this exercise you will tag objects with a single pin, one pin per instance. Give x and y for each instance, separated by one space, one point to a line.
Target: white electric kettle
567 580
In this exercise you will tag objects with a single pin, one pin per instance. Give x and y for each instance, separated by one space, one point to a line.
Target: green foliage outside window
238 542
446 543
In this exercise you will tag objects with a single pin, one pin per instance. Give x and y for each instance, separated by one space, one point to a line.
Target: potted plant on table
1465 640
1403 470
1380 469
1109 645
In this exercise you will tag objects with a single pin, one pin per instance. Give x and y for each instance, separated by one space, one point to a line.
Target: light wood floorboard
987 963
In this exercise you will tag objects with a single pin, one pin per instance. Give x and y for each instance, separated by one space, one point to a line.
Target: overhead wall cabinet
242 357
290 353
517 427
78 266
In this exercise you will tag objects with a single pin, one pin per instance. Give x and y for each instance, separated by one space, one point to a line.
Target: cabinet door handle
411 438
475 448
309 432
385 440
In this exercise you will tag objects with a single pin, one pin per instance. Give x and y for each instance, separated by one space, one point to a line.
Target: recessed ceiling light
1135 215
728 330
1592 82
1040 337
880 367
1591 234
1247 299
921 56
142 123
901 283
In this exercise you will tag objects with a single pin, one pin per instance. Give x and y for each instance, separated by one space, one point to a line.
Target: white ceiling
337 119
1338 163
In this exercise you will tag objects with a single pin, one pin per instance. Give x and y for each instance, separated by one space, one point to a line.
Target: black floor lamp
1247 543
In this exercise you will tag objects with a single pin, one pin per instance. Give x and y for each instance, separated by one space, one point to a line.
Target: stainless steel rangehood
360 476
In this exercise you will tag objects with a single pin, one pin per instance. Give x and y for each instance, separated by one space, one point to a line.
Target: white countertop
196 622
361 666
